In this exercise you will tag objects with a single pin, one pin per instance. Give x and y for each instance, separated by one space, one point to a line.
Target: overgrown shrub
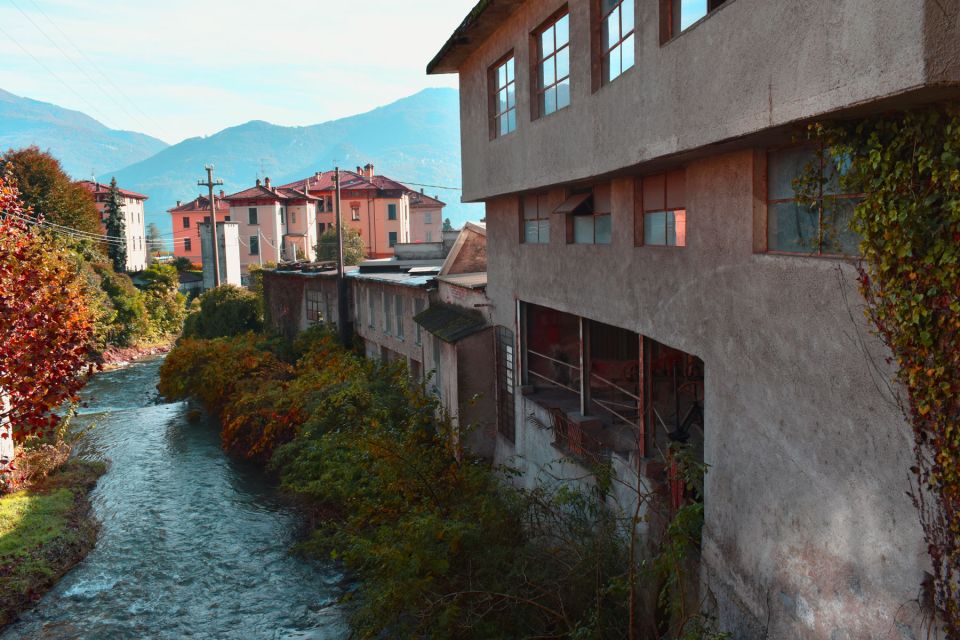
225 311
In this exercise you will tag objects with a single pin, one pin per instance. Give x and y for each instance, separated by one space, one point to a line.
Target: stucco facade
186 218
135 232
808 531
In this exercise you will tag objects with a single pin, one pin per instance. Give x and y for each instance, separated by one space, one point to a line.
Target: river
193 544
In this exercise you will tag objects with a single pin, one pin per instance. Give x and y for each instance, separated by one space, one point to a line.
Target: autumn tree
354 250
46 189
447 225
116 228
47 329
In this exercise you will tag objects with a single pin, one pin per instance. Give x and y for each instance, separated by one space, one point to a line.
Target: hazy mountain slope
416 139
83 145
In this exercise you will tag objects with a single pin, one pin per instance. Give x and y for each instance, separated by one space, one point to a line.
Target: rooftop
485 18
97 188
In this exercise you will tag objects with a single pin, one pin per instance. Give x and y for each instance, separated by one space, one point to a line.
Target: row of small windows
615 50
393 312
817 224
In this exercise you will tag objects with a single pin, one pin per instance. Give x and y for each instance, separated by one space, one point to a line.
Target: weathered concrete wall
807 524
751 65
372 329
476 395
284 299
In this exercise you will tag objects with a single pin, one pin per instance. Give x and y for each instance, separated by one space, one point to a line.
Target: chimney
266 182
222 196
368 170
359 171
258 182
178 203
421 191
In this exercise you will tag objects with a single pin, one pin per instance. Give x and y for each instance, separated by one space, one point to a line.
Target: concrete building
136 234
228 237
652 279
186 217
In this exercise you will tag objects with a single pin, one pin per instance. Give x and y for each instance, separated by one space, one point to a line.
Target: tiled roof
255 192
97 188
201 203
418 199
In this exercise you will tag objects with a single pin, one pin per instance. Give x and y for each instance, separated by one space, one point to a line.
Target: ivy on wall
907 166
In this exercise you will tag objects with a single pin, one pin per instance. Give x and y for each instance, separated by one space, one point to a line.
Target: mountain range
413 140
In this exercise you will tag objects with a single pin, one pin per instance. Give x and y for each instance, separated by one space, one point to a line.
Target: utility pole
210 184
342 307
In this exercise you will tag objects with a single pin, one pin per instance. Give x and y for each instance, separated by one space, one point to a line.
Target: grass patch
44 531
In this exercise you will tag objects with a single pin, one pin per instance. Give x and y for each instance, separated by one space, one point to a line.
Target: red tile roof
201 203
257 192
97 188
353 181
422 200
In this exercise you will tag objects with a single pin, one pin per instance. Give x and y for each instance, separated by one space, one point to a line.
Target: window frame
253 216
669 13
539 89
392 239
188 244
355 213
641 211
391 211
313 306
594 214
398 309
372 308
542 215
254 242
493 81
819 200
387 314
418 307
186 222
602 53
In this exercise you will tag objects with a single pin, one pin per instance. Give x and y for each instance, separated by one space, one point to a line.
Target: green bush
225 311
166 306
131 321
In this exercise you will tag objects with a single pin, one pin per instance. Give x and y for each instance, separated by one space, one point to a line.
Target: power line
430 186
50 71
120 91
73 62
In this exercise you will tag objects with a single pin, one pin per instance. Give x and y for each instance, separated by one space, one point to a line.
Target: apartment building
136 234
653 280
426 218
185 218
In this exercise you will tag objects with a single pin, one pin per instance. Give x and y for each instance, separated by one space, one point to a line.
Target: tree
447 225
116 228
354 250
46 189
154 239
225 311
182 264
165 304
47 328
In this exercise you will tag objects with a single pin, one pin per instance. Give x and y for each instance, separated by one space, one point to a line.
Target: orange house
186 217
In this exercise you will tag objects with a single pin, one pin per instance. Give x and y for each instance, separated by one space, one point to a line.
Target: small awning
450 323
577 203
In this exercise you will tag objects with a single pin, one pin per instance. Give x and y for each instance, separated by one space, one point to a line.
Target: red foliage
45 325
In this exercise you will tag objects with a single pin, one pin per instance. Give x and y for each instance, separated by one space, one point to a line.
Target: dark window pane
783 167
603 230
838 238
792 227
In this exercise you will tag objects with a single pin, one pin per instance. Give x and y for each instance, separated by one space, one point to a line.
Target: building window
429 236
817 227
371 309
293 217
355 212
536 220
186 222
392 237
588 216
226 218
506 424
187 244
417 330
314 314
678 15
387 315
503 98
398 303
329 203
664 213
252 216
283 216
436 366
428 217
617 25
391 212
254 245
553 66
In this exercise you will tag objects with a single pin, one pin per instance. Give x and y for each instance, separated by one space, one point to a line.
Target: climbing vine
907 165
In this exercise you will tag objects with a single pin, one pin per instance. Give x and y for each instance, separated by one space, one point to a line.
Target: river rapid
193 544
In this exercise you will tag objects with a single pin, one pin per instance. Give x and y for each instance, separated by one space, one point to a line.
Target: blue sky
178 68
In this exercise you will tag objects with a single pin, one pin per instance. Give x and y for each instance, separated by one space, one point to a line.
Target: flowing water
192 545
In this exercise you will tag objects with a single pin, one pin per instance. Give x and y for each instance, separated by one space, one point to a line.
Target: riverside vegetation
440 544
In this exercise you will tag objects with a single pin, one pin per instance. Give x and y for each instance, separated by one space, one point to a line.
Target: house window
283 216
392 237
329 203
391 212
314 301
506 424
617 25
398 303
387 315
293 217
436 365
226 218
588 216
820 227
553 66
503 99
254 245
682 14
429 236
664 212
252 216
187 245
417 310
355 212
371 309
535 220
428 217
186 222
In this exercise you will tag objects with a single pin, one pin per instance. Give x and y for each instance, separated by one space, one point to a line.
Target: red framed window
503 99
553 65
